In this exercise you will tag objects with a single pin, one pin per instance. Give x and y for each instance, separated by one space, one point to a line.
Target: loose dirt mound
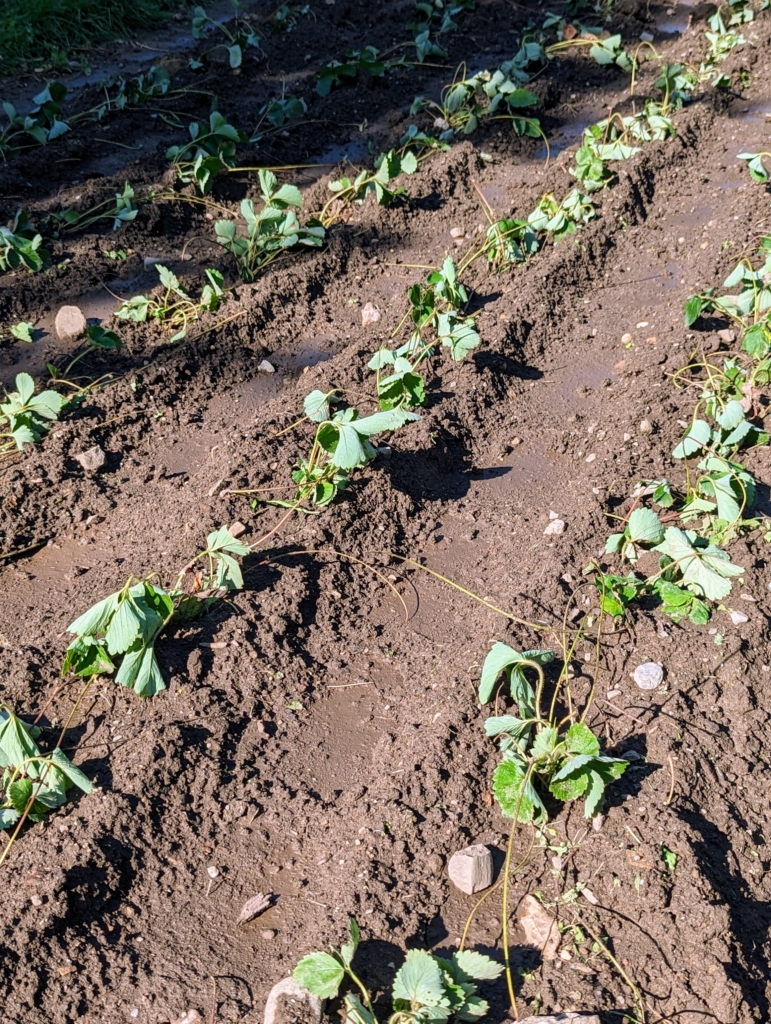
312 744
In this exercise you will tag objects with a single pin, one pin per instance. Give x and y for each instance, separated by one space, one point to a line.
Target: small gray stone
268 934
236 529
727 335
369 315
738 618
70 324
457 232
192 1017
471 870
645 427
649 675
288 1001
555 528
234 810
92 459
266 367
563 1018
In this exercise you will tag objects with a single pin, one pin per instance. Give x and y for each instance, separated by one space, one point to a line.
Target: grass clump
50 33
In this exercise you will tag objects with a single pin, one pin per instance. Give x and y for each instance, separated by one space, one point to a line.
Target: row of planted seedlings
544 752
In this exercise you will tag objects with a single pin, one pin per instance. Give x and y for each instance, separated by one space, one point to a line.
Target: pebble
738 618
435 864
553 514
192 1017
597 822
268 934
645 427
369 315
746 597
727 335
287 1001
627 437
457 232
37 901
649 675
471 870
563 1018
236 529
70 324
626 339
266 367
539 926
591 458
555 528
646 37
212 872
92 459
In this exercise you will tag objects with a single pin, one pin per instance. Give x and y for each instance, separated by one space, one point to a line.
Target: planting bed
311 743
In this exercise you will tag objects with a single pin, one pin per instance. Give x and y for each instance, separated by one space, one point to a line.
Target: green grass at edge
50 33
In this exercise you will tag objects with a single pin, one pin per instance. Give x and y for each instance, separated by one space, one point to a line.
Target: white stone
554 515
471 870
649 675
539 926
457 232
266 367
555 528
738 618
192 1017
298 1001
92 459
645 427
70 324
369 315
747 597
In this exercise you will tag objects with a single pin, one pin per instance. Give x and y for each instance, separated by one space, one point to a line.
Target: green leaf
67 768
516 798
320 974
544 742
571 787
223 540
698 436
316 406
669 857
22 331
97 618
140 670
579 739
17 743
693 308
707 569
8 817
644 525
594 794
476 965
380 421
419 982
344 444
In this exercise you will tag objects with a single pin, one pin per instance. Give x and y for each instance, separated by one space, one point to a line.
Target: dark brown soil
311 744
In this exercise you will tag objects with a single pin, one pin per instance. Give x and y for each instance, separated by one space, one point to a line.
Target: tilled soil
311 743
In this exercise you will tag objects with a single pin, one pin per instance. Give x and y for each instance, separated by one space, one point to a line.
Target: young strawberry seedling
25 417
269 233
32 783
97 339
426 987
541 754
344 72
508 241
22 246
128 623
388 167
22 331
175 309
758 170
122 210
239 35
562 219
42 124
340 445
211 150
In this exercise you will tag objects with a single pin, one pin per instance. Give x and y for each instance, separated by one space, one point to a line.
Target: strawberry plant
469 100
42 123
269 232
426 987
175 308
610 140
758 170
562 219
122 210
32 783
338 73
239 35
341 444
128 623
508 241
541 756
210 151
750 309
22 246
388 167
26 417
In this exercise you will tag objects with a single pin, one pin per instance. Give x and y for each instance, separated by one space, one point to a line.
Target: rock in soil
555 528
369 315
739 618
649 675
540 928
290 1004
70 324
471 870
92 459
266 367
